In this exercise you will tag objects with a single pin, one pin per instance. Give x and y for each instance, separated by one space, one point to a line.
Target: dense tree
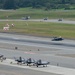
9 4
48 4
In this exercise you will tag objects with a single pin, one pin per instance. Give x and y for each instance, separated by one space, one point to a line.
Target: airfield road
60 54
37 48
11 70
29 70
41 20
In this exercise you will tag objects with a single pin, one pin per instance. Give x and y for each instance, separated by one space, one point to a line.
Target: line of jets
30 61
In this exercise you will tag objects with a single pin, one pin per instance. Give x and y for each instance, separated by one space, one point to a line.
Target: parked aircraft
26 18
20 60
40 62
46 18
2 57
30 61
60 19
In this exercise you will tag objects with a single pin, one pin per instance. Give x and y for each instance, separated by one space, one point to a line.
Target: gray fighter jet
2 57
21 60
40 62
57 39
32 62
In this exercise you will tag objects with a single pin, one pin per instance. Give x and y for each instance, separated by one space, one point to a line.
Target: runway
41 20
37 41
52 70
38 47
6 70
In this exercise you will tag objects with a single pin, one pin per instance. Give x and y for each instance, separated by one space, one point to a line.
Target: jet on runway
40 62
2 57
21 60
30 61
57 39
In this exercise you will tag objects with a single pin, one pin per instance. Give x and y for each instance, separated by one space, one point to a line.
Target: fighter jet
30 61
46 18
26 18
20 60
40 62
60 19
57 39
2 57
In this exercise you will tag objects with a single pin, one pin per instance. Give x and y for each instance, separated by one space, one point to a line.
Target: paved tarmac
50 70
38 50
10 70
41 20
35 48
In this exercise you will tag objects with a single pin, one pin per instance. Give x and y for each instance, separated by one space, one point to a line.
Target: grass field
37 13
41 28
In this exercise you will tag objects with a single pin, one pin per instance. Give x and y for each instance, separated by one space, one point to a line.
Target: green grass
37 13
41 28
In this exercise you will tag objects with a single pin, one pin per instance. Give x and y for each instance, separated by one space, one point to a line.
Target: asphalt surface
29 45
37 42
36 48
6 70
41 20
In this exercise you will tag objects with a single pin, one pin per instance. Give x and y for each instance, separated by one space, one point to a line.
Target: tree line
47 4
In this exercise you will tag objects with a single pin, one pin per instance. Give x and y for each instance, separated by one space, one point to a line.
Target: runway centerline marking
29 52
